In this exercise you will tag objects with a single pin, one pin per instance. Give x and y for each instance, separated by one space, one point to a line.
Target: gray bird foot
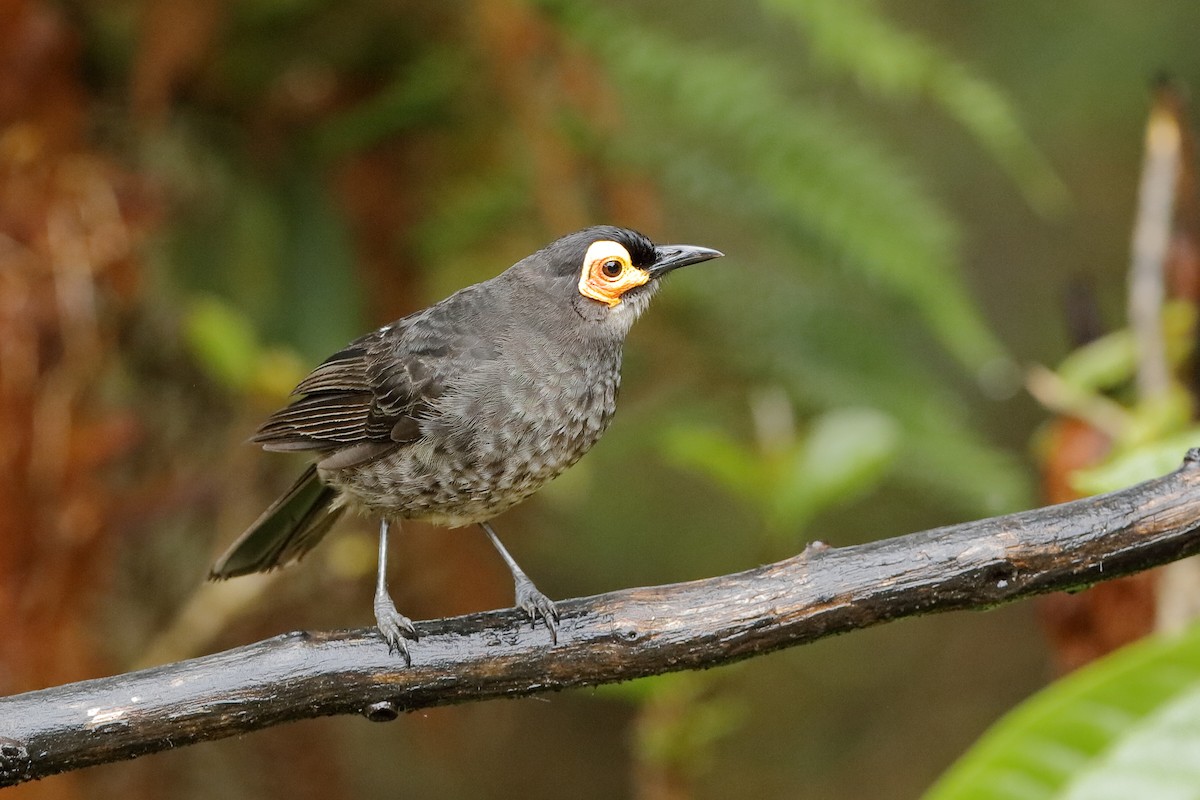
394 627
536 604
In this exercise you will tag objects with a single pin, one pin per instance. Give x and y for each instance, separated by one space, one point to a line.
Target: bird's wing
370 397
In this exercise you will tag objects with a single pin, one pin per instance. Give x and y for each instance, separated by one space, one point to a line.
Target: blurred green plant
682 717
855 263
1125 726
416 97
790 479
723 122
844 238
1132 464
1096 383
852 38
227 348
318 134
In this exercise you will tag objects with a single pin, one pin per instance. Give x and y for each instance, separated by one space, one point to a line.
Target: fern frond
854 38
860 206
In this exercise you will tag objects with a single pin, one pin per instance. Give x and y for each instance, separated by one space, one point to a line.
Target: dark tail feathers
292 526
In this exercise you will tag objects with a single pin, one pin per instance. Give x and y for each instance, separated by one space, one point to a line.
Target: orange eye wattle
608 273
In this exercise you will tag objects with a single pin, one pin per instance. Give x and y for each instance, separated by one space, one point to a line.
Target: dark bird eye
611 268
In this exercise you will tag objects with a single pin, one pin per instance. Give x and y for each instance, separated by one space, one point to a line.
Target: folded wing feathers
372 392
326 419
344 372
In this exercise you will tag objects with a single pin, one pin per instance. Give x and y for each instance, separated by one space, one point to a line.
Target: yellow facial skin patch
609 273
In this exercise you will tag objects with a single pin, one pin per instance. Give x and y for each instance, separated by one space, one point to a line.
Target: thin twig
1151 239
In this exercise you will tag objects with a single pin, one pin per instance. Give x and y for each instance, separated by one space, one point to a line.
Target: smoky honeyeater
455 413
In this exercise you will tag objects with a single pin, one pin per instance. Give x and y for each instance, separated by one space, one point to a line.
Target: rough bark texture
607 638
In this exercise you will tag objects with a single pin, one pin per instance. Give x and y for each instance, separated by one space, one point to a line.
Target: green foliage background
902 190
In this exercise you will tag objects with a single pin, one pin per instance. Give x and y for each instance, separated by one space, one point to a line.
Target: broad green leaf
846 447
224 341
1107 723
1159 416
1158 758
277 371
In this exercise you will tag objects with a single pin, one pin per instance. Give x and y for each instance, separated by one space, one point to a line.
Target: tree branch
606 638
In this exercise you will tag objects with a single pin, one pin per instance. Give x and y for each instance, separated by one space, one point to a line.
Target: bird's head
609 274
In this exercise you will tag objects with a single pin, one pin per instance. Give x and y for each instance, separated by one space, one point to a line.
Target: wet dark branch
607 638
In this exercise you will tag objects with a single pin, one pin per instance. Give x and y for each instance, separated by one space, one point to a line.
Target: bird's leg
529 598
393 625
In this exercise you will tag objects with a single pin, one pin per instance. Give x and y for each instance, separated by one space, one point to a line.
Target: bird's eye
607 273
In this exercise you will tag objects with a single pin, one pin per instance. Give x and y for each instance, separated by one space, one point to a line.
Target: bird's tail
286 531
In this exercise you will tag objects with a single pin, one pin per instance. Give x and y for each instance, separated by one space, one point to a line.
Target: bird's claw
394 627
536 604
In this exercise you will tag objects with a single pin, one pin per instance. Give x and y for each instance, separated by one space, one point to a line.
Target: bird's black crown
566 254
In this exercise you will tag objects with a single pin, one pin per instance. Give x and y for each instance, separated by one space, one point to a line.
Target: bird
457 412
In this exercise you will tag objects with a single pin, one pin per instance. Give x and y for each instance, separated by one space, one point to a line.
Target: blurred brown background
201 199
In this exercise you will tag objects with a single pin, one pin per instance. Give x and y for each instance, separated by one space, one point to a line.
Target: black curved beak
673 256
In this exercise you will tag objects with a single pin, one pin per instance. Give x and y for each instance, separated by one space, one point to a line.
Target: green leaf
716 454
830 354
1099 732
844 454
1110 361
1136 464
1101 364
1159 758
222 340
